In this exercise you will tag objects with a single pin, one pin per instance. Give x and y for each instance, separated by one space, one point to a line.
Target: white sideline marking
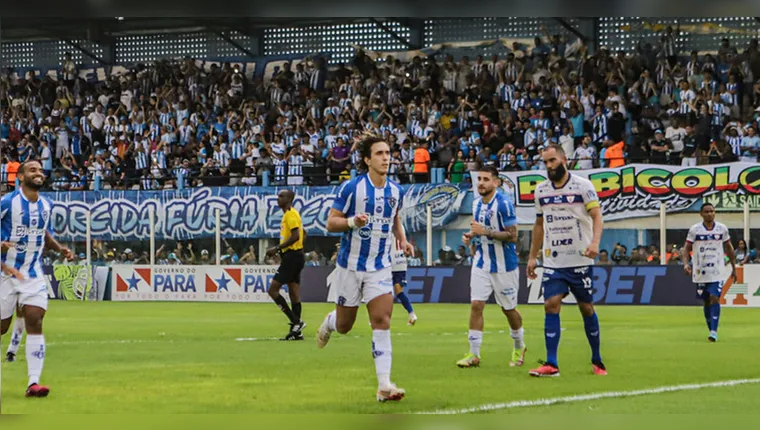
595 396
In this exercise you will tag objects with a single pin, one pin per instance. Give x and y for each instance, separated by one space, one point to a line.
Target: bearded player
25 222
569 227
712 241
494 266
366 212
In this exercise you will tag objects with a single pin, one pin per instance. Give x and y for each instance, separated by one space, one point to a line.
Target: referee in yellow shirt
291 264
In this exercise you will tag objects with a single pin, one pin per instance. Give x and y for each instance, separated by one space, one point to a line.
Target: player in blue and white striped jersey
25 230
494 268
366 212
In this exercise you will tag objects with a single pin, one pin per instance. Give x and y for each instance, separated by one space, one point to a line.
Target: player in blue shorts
569 228
366 212
708 241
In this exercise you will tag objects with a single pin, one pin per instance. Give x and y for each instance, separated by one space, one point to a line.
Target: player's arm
509 234
537 240
53 244
336 219
685 253
598 226
729 250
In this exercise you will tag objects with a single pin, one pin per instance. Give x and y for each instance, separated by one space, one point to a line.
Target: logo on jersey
365 232
562 242
570 199
391 201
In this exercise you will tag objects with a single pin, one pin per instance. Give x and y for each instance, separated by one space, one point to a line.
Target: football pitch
110 357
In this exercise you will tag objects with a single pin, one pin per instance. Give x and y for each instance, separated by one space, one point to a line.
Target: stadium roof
101 29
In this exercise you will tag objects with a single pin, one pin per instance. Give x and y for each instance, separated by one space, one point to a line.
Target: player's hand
4 246
10 271
271 251
687 270
408 248
466 238
592 251
531 268
733 276
477 229
361 220
66 252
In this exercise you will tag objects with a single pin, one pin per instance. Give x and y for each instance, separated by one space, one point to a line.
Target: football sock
708 316
552 333
35 356
297 310
331 321
405 302
283 305
517 335
714 316
382 352
18 333
476 338
591 324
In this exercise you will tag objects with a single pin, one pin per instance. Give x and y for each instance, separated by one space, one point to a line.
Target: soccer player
291 265
25 221
569 226
712 240
366 212
399 266
494 269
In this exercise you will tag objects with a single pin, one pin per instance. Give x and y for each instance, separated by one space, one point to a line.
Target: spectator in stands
744 255
604 258
620 255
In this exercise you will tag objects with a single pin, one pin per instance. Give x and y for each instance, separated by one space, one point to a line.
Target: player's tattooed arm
729 250
509 234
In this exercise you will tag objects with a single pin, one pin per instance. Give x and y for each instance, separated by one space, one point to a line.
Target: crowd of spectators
217 127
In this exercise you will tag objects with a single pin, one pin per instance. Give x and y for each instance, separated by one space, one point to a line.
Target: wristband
351 222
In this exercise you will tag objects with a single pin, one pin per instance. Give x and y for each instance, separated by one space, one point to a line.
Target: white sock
383 354
517 335
476 338
35 356
331 317
18 334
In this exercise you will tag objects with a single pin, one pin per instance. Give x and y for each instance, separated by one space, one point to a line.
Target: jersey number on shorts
587 284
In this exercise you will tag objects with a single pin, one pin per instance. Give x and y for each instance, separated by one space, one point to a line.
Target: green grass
183 358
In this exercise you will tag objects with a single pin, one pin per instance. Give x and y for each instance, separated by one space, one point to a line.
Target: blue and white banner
245 212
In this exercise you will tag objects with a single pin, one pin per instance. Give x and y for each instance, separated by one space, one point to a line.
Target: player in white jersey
494 266
569 228
365 211
25 225
398 266
708 241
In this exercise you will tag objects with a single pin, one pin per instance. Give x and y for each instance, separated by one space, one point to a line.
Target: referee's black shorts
290 267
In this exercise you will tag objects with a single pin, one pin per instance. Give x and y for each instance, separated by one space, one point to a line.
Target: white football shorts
352 287
504 287
29 292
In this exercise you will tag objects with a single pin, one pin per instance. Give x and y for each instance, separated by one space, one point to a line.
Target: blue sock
592 334
708 317
405 302
552 333
715 316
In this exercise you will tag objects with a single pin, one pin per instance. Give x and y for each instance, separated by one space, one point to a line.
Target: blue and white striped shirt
599 129
368 249
141 161
238 149
492 255
280 168
24 224
295 166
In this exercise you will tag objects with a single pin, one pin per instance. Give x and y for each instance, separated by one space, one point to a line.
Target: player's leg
506 297
347 284
294 291
378 292
16 336
581 286
399 283
480 290
281 278
35 350
713 292
555 289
